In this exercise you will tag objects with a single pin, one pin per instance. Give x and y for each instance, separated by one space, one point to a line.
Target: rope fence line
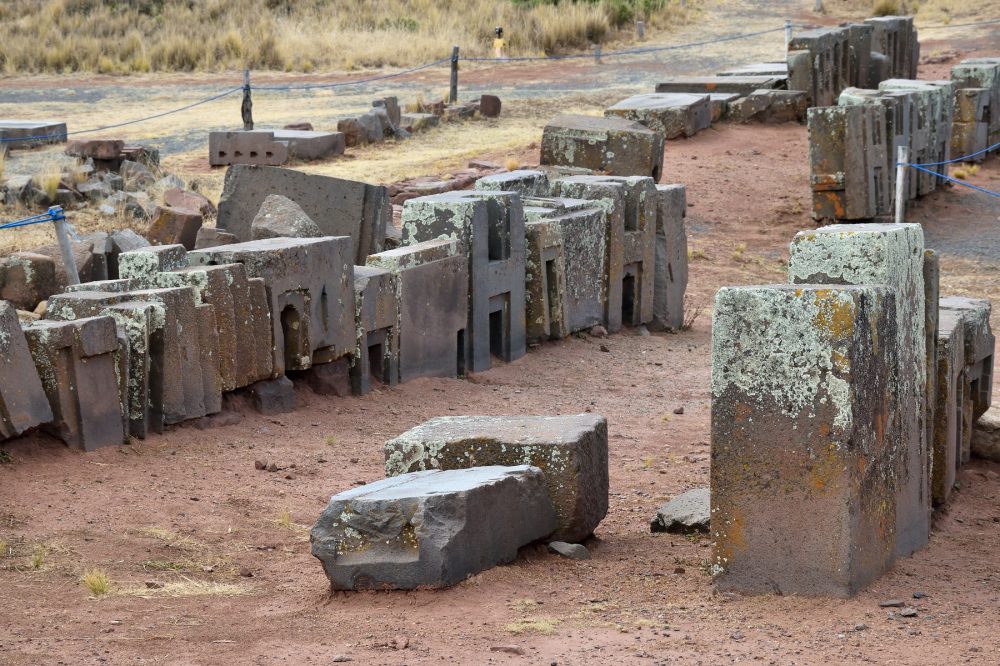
950 179
964 158
957 25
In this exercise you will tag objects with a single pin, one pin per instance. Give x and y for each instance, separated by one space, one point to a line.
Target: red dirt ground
164 509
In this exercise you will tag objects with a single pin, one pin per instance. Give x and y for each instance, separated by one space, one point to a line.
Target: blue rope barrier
963 158
53 214
343 84
63 135
628 52
955 180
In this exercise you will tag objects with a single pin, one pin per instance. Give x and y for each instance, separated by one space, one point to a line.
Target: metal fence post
59 219
453 93
901 158
247 108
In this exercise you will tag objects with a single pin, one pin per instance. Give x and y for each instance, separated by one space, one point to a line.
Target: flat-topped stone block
606 145
743 85
572 451
671 114
432 528
28 133
804 462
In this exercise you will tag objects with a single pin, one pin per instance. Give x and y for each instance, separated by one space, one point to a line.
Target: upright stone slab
671 268
891 255
26 279
932 287
489 227
376 354
949 397
804 463
883 160
896 38
609 145
827 69
310 293
77 365
983 74
23 402
671 114
979 345
432 528
572 451
339 207
431 283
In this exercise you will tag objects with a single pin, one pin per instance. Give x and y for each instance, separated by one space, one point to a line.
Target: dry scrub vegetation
927 12
118 37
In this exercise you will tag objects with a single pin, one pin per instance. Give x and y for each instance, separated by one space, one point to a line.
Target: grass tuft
48 181
539 625
186 587
97 582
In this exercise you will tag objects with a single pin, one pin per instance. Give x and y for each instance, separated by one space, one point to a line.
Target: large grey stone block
339 207
572 451
949 398
804 461
606 145
891 255
432 528
670 275
376 354
23 402
671 114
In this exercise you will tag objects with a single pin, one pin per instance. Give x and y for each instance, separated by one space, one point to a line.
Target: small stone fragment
573 551
688 512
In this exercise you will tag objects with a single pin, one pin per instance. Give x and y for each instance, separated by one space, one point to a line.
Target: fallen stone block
26 279
489 228
209 237
391 106
979 346
339 207
310 294
77 364
891 255
174 226
273 396
719 105
254 147
18 134
773 69
431 283
310 145
607 145
432 528
329 378
281 217
804 463
97 149
526 182
376 354
83 256
573 551
986 436
178 198
572 451
742 85
770 106
670 275
420 122
23 401
686 513
671 114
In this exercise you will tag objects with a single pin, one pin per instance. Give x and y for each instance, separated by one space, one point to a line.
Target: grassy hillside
296 35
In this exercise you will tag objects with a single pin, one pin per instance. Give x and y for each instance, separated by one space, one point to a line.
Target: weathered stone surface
209 237
770 106
311 145
572 451
986 436
819 64
174 226
77 363
28 133
744 85
979 346
892 255
949 398
420 122
685 513
26 279
152 259
273 396
489 228
574 551
332 378
526 182
671 114
670 275
98 149
935 108
23 402
431 283
489 106
178 198
254 147
281 217
376 354
896 38
83 255
608 145
932 286
391 106
430 528
804 463
310 294
339 207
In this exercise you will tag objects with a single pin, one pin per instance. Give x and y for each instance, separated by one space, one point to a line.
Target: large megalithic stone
489 227
376 354
432 528
81 371
883 159
804 462
614 146
896 38
983 74
949 397
671 274
826 70
847 146
936 104
23 403
932 289
671 114
891 255
572 451
339 207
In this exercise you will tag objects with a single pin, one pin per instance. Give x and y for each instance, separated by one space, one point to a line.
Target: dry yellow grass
97 582
186 587
177 35
926 12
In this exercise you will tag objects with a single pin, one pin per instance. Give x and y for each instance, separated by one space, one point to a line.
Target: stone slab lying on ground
614 146
76 361
432 528
27 133
804 465
23 402
671 114
311 145
526 182
257 148
770 106
572 451
891 255
339 207
685 513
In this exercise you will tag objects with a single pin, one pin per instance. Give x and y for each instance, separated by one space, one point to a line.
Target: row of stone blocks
976 125
853 147
462 494
842 405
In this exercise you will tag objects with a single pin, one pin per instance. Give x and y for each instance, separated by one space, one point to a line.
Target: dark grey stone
23 402
574 551
273 396
280 216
